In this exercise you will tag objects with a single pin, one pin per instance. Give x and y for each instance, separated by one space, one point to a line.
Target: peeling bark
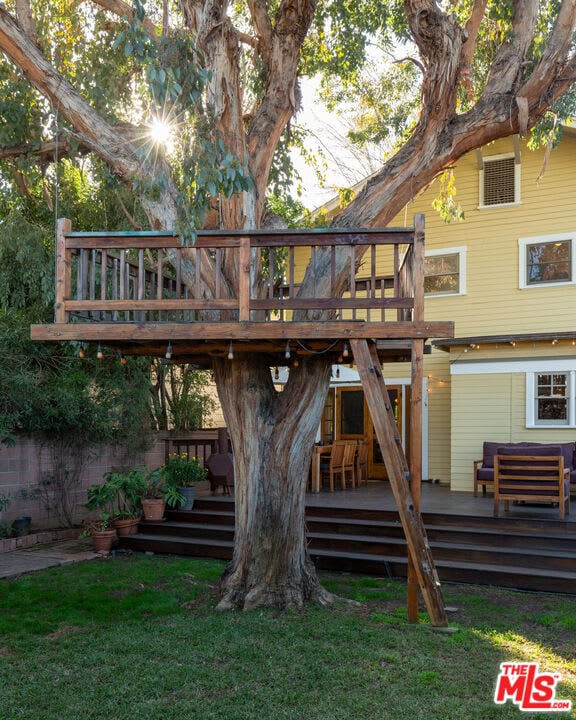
272 435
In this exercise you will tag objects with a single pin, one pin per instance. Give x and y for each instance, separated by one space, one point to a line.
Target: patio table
319 450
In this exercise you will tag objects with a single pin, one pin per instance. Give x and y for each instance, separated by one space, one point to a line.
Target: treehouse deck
347 295
140 292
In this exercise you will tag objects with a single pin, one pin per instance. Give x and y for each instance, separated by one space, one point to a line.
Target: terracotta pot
126 526
103 540
153 508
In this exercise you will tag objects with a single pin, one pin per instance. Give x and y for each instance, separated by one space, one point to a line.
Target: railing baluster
178 281
115 286
103 280
353 278
141 283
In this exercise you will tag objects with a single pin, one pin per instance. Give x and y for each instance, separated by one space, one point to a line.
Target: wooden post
63 270
377 397
244 280
222 440
418 269
415 460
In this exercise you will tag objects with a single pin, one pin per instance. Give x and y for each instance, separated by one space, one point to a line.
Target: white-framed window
499 181
551 398
547 260
445 271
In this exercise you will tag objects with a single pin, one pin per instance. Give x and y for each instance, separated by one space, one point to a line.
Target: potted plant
119 496
102 533
158 492
183 473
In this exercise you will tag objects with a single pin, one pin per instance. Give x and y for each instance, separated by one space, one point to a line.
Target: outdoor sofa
484 469
531 475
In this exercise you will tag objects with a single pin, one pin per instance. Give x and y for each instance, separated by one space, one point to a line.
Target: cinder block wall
23 466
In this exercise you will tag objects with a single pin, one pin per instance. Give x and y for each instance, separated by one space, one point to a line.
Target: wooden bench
531 478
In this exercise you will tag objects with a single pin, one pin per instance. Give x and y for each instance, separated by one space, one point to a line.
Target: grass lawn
138 637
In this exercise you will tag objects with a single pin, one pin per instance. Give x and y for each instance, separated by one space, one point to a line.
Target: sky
343 168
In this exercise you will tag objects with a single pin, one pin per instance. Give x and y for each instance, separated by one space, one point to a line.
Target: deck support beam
377 398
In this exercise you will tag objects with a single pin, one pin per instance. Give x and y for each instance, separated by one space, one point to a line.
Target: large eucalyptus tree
88 77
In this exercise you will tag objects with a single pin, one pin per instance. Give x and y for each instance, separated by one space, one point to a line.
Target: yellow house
506 275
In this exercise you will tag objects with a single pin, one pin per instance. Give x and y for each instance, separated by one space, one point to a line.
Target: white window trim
461 251
522 264
531 378
517 179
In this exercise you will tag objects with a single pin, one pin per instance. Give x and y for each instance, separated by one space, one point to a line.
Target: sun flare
161 131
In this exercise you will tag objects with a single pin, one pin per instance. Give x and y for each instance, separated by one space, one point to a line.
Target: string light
81 353
122 359
287 350
168 354
296 362
230 351
99 353
345 352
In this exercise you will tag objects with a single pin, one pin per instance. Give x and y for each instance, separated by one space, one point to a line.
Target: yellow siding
439 391
486 399
494 304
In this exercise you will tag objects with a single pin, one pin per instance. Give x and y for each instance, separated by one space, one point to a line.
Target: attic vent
499 181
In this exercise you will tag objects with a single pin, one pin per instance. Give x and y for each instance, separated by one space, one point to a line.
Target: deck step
475 550
538 580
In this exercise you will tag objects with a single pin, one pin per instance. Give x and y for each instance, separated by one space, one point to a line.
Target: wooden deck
360 531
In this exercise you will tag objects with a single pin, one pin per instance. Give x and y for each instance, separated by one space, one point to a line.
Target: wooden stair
516 553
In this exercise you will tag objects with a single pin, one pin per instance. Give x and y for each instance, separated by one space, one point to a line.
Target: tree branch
293 20
440 40
262 27
471 29
45 151
92 131
123 9
558 57
98 135
25 19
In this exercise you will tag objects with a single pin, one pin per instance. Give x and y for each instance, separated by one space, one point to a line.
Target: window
445 272
550 399
499 181
546 261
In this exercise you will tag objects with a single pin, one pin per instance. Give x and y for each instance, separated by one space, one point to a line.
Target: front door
354 422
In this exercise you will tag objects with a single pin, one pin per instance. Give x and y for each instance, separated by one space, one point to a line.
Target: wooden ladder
386 430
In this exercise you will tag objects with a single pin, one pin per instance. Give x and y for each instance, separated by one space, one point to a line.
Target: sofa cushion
537 450
491 448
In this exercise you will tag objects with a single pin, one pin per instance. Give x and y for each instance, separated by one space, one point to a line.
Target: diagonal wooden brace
378 400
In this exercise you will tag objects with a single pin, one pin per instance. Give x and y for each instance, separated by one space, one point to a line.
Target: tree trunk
272 435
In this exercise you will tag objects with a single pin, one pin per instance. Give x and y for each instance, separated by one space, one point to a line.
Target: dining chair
335 464
348 464
362 463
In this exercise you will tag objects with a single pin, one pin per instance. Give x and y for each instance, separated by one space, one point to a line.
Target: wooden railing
150 277
197 443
